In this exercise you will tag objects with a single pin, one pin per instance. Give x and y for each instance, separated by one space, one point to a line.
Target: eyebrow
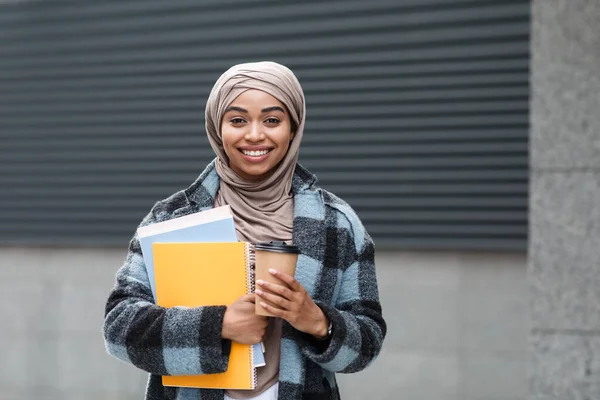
274 108
264 110
238 109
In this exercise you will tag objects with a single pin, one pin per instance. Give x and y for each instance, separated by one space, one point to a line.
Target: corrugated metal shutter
417 111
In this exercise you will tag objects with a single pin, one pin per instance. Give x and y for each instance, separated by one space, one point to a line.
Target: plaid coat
336 267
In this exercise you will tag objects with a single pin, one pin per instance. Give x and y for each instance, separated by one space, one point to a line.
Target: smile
254 153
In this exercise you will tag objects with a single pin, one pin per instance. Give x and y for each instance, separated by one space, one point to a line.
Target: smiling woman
256 130
328 318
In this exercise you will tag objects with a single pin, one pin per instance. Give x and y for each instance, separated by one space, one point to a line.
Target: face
256 131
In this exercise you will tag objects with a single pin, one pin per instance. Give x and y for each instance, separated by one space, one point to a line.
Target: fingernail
271 270
260 282
259 292
263 304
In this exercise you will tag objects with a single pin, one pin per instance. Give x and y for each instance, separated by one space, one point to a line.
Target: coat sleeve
161 341
356 316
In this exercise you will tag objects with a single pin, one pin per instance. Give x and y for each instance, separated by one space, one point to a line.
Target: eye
237 121
272 121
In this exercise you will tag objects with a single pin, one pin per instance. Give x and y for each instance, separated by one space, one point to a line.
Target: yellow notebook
206 274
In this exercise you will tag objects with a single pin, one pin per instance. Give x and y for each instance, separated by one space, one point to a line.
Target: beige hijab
262 210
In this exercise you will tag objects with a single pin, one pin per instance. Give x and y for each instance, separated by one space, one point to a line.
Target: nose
254 133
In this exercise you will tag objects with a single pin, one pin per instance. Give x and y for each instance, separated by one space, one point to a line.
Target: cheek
284 143
282 150
285 147
228 139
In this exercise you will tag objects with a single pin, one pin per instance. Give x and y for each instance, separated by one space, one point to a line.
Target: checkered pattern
336 267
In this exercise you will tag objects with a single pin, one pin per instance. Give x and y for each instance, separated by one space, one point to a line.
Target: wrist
323 333
225 327
322 327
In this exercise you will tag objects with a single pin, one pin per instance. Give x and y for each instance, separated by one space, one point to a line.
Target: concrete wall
564 269
457 328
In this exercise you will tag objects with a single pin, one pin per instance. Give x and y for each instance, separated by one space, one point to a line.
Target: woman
329 316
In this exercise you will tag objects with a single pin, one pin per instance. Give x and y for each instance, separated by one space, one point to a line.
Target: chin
255 173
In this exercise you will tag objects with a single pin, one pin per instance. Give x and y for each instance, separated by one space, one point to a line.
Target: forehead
254 98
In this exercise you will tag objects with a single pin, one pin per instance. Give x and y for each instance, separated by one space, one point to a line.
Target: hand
293 303
241 324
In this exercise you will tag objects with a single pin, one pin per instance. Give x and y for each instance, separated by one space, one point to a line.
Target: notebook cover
214 225
204 274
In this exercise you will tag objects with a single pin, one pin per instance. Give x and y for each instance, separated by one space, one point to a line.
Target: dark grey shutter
417 111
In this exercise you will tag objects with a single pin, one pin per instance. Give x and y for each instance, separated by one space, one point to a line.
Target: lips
255 153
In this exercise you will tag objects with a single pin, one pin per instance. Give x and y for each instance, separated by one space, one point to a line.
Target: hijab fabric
263 210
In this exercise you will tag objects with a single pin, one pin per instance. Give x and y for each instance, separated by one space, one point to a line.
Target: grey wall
564 268
457 328
417 111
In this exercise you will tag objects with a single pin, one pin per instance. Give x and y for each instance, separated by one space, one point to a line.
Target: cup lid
278 247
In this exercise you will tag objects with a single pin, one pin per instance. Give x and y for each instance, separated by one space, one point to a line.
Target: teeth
255 153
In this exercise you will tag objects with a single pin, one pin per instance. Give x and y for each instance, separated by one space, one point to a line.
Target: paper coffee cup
278 256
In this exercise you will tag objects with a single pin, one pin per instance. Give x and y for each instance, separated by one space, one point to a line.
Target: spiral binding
250 286
251 263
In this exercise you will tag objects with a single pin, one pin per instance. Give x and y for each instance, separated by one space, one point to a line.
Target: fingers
248 298
274 299
274 310
277 289
288 279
